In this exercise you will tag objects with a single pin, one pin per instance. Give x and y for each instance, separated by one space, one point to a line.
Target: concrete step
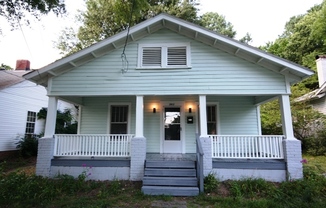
170 164
170 172
170 181
170 191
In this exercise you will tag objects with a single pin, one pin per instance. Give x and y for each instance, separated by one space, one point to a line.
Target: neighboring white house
20 101
317 98
140 114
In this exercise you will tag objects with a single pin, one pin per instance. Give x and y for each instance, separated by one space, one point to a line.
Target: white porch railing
103 145
255 147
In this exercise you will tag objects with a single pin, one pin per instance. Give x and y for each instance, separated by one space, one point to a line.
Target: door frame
179 104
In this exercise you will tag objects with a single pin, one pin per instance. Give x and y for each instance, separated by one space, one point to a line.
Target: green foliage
28 145
6 67
217 23
252 188
65 123
210 183
105 18
14 10
316 144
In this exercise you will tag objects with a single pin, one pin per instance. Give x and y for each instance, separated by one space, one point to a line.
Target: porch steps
174 178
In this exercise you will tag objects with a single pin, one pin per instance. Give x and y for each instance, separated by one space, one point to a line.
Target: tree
303 38
6 67
15 10
65 123
217 23
104 18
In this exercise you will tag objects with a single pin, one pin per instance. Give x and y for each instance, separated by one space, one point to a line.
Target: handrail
200 164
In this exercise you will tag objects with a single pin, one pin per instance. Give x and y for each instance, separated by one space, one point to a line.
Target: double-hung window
30 123
119 119
176 55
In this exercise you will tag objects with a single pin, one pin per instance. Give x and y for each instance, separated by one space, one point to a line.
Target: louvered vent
177 56
152 56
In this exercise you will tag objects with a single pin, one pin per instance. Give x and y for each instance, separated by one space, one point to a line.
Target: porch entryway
172 138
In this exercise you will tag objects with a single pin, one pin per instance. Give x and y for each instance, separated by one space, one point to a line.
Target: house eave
292 71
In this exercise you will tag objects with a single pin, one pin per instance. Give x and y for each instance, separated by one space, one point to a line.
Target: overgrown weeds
18 189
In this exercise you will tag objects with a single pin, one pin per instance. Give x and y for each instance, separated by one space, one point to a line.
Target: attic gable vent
152 56
177 56
172 55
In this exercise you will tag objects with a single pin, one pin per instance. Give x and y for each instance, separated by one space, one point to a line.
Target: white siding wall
212 72
15 102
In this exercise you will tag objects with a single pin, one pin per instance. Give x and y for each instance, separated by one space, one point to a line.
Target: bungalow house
174 104
21 100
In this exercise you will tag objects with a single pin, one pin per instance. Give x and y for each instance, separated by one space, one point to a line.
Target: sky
264 20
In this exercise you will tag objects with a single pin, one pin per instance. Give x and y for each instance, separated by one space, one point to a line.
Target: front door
172 142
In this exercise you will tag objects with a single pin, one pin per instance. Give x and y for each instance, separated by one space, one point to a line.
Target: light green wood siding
94 115
237 115
212 72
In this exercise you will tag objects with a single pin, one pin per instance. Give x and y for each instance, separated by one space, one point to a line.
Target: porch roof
292 71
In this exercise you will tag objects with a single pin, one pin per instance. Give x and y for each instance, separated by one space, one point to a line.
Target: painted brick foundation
137 158
44 156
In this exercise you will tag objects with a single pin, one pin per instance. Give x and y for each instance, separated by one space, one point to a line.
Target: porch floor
172 156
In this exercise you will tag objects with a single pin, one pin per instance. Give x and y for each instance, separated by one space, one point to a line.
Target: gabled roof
292 71
9 78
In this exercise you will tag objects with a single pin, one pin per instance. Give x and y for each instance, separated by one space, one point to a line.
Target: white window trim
109 116
164 47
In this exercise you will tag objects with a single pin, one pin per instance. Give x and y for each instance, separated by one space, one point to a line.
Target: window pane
118 128
119 119
211 120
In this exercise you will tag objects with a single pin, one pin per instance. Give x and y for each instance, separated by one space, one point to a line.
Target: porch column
139 116
291 146
46 144
205 141
138 144
51 117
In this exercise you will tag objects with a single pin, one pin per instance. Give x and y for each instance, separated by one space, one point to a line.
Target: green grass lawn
21 189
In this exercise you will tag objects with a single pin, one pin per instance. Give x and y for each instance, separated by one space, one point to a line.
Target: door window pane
172 124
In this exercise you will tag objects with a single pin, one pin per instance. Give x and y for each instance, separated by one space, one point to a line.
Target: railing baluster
228 146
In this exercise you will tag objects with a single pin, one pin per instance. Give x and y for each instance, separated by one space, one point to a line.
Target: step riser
170 164
170 191
171 172
155 181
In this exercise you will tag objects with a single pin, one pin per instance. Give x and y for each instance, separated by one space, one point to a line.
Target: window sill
163 68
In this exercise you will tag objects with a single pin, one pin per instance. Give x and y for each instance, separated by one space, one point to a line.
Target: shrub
210 183
28 145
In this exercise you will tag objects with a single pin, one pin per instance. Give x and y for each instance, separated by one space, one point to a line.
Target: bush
28 145
210 183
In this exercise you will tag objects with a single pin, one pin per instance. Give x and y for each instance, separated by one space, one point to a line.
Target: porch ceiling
292 71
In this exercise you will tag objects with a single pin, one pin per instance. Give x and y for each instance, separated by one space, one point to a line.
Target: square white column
203 116
139 116
287 126
51 117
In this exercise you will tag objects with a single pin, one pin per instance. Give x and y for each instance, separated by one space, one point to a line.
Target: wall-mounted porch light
189 110
154 110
